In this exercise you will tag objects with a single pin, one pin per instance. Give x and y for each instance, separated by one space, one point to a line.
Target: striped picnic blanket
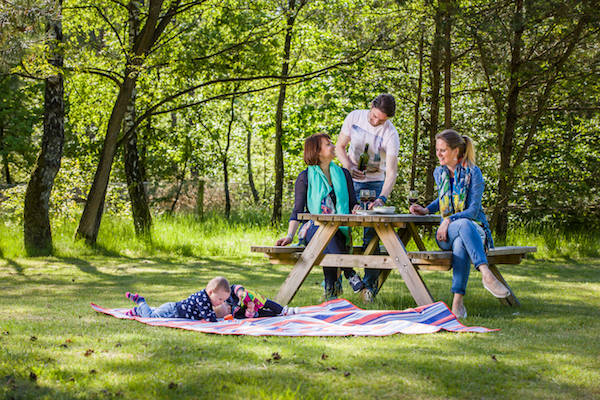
333 318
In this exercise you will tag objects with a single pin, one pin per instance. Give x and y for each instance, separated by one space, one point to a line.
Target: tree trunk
279 172
249 160
500 216
200 198
5 161
134 171
155 24
36 219
447 4
413 167
435 102
226 160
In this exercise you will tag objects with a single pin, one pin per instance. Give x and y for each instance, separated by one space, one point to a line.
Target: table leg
511 300
405 236
411 276
416 237
307 260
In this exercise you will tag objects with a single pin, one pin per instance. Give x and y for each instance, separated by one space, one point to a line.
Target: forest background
138 108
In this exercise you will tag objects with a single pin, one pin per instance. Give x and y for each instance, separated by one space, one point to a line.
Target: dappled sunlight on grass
547 348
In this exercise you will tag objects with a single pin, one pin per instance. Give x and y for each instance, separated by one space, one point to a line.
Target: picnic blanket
333 318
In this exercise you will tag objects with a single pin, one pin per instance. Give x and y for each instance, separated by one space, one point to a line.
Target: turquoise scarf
319 189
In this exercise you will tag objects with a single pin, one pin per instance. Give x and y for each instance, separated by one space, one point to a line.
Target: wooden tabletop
371 219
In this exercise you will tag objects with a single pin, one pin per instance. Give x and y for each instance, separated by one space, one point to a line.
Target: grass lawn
54 346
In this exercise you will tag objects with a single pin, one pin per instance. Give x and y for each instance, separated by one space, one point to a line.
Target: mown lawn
54 346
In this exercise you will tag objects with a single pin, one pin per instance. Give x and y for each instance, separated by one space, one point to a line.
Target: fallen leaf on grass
346 374
494 357
331 368
276 356
118 344
32 376
6 333
88 352
324 356
172 385
33 338
63 345
68 341
92 371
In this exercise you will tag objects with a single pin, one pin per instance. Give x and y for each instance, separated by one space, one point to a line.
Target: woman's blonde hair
463 142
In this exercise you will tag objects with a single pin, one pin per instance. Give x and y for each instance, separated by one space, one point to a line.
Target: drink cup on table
364 196
413 197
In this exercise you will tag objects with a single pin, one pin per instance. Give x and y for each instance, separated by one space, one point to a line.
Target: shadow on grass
17 267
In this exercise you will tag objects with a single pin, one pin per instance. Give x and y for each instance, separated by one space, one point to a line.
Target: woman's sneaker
356 283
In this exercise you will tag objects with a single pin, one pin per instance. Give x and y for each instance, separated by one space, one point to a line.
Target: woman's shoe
496 288
461 312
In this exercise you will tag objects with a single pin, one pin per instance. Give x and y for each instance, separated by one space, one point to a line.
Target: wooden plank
277 249
415 236
357 261
405 236
411 277
497 251
361 219
307 260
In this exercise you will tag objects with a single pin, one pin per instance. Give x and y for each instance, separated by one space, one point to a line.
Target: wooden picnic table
385 227
395 231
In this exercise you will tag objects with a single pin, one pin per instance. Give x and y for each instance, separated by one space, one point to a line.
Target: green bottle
363 160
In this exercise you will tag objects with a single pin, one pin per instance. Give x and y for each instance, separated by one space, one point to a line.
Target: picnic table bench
407 263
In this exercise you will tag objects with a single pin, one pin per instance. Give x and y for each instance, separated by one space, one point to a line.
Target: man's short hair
386 104
312 148
218 284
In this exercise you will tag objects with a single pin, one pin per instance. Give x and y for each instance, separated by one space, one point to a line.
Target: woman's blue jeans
465 239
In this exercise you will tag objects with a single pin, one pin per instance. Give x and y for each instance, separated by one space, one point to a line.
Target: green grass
546 349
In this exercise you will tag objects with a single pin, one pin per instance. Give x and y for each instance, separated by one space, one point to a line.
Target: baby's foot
132 313
136 298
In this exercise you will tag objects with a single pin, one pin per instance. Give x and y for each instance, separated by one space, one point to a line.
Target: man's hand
357 174
356 208
377 203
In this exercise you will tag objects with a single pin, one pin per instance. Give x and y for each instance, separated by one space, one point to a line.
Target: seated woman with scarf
464 228
324 188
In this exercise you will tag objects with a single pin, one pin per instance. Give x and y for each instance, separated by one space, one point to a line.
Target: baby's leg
166 310
271 309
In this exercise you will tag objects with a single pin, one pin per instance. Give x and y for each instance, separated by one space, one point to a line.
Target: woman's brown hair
312 148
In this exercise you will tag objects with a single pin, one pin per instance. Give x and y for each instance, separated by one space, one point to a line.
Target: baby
198 306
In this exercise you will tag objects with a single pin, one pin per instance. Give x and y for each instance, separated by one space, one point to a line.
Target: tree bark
225 158
89 223
279 171
249 160
200 198
36 219
447 4
134 170
435 102
5 161
413 167
500 215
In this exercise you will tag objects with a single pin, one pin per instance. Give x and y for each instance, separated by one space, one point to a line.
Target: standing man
372 127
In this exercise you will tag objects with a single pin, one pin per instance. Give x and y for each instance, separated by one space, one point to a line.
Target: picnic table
394 231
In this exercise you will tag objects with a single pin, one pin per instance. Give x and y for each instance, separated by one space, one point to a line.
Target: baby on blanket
198 306
245 303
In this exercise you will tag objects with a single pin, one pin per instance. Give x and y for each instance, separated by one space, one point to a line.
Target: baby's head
218 290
